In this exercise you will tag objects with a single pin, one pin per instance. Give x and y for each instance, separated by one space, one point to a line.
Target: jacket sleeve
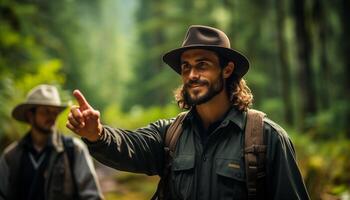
139 151
85 174
4 174
284 180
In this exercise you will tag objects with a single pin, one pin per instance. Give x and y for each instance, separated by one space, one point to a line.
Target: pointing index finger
81 100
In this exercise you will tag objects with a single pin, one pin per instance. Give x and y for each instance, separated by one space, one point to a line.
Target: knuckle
68 125
73 108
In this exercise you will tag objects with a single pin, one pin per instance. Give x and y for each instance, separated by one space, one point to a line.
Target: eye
185 67
202 65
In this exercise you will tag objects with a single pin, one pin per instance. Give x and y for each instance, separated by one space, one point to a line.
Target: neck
214 109
39 139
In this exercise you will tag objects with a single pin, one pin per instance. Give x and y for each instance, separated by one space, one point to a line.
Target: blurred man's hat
204 37
41 95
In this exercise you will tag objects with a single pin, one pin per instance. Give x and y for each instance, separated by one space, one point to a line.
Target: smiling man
219 149
202 79
44 164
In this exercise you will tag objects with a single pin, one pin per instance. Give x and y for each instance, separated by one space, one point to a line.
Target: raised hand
83 119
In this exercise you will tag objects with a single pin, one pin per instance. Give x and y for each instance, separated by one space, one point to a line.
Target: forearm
139 151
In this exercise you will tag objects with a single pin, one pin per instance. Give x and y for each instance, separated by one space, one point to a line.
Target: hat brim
19 112
172 58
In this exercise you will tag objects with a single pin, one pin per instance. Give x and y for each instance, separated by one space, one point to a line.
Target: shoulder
159 126
75 143
278 139
274 129
78 143
79 146
11 154
271 128
11 149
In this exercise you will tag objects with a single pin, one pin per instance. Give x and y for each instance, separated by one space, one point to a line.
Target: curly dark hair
236 88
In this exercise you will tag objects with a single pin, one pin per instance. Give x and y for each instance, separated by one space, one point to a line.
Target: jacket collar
54 141
235 116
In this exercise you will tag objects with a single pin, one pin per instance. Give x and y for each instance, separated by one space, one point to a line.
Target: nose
194 74
52 114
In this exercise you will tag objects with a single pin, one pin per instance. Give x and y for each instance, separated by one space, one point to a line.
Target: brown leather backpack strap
172 135
255 154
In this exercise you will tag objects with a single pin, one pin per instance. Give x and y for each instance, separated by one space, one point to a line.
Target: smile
196 85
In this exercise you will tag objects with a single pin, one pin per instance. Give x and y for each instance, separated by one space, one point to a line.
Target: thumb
81 100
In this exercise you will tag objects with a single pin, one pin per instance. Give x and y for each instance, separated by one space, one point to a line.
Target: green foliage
111 51
137 116
139 185
323 164
273 108
14 91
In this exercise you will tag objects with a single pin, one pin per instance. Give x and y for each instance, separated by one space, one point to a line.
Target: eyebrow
202 59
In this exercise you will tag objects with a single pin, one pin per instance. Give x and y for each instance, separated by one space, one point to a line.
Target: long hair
237 90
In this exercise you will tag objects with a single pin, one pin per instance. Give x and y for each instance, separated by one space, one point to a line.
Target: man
208 161
44 164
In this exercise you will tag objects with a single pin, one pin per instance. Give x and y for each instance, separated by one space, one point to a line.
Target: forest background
111 50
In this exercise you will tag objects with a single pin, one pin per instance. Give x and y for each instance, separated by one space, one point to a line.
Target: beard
213 89
42 129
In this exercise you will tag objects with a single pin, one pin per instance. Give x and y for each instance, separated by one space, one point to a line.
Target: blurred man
223 150
45 164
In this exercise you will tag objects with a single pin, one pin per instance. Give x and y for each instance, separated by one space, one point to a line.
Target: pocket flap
183 162
230 168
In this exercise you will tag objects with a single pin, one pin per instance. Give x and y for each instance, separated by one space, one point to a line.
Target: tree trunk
345 23
319 14
284 66
305 74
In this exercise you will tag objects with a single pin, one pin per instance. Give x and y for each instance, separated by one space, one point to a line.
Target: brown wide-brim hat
42 95
204 37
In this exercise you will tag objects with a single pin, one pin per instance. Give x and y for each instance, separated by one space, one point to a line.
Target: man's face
44 118
202 76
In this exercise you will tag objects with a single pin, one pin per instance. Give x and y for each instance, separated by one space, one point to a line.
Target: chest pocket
182 176
230 174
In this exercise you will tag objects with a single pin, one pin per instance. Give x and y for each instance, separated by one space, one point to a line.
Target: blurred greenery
111 51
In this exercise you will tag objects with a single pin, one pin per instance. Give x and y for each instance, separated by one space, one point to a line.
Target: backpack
254 154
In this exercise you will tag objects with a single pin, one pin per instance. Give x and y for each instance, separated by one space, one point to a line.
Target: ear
228 70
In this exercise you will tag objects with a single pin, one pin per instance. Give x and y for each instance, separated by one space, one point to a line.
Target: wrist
96 136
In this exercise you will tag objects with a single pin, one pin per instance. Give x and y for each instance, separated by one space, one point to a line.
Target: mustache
197 82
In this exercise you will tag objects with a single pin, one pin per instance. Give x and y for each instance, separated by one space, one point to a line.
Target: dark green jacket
214 171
